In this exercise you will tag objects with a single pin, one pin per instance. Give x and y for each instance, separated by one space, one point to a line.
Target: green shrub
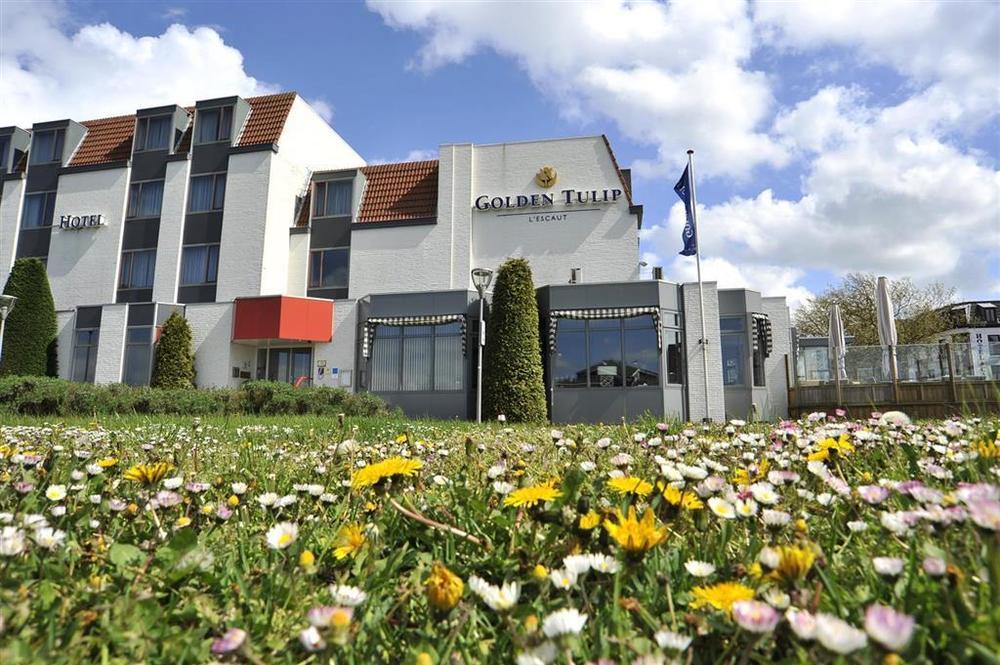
173 362
512 381
43 396
31 326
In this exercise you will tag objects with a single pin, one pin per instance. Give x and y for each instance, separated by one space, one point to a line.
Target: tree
512 381
919 310
173 363
31 326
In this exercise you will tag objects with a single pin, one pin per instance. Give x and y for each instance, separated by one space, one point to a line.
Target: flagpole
701 289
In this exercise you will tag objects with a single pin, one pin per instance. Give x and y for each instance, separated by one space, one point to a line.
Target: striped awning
602 313
429 320
761 333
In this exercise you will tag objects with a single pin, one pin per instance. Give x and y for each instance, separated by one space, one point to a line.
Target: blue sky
823 144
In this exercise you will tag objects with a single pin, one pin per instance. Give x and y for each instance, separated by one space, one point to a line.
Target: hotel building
294 260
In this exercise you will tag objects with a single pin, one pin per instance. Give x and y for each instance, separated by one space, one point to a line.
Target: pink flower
985 513
888 627
755 616
232 640
934 566
802 622
873 494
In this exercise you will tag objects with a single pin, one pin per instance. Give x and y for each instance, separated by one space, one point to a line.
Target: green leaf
122 554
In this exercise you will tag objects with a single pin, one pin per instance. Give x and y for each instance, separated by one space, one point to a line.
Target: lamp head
481 278
6 305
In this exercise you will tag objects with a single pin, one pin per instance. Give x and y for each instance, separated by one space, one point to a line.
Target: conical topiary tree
173 362
31 326
512 380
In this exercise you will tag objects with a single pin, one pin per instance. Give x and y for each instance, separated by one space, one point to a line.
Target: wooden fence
918 399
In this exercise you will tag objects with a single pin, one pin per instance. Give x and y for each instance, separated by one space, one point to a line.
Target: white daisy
563 622
282 534
697 568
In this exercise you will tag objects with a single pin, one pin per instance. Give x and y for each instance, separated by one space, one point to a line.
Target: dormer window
332 198
152 133
47 146
215 124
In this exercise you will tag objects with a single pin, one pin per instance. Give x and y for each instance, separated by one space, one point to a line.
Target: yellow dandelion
424 658
373 474
107 462
443 587
589 521
794 563
832 447
988 450
148 474
307 559
351 538
233 500
540 572
675 497
721 596
630 485
752 475
636 536
532 495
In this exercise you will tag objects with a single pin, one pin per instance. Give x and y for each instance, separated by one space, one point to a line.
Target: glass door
289 365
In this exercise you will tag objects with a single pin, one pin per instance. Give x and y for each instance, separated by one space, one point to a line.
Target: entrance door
289 365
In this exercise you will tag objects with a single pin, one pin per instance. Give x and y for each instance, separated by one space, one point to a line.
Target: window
607 353
989 314
215 124
137 269
138 356
4 147
85 355
758 366
145 199
418 358
39 209
994 342
734 350
208 192
152 133
673 343
47 147
199 265
332 198
328 268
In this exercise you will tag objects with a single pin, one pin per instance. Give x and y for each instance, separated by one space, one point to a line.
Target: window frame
148 345
325 186
49 206
742 333
399 338
92 347
184 248
142 133
215 175
221 112
624 324
321 251
141 184
129 254
58 147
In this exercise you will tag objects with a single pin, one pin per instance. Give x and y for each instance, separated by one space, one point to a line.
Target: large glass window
137 269
418 358
208 193
152 133
673 342
199 265
607 353
734 350
39 209
47 147
332 198
215 124
145 199
138 355
328 268
85 355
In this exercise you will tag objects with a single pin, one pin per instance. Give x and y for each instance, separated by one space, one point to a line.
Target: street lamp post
6 306
481 278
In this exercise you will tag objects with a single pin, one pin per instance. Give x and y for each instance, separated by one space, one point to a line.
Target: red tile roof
110 139
107 140
399 192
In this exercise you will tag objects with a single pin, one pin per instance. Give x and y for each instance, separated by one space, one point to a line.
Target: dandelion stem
414 515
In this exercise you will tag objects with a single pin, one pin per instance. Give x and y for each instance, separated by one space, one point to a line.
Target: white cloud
323 107
48 72
670 75
416 155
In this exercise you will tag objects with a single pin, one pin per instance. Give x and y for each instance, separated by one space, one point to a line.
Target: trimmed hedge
41 396
173 362
512 380
28 341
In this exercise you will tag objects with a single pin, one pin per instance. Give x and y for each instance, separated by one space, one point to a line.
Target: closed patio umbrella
886 328
836 343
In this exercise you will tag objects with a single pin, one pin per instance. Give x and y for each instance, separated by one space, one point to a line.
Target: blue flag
683 189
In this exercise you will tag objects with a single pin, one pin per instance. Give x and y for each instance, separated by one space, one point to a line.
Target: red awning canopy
283 317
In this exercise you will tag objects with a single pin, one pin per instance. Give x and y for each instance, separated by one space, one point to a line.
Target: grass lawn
379 540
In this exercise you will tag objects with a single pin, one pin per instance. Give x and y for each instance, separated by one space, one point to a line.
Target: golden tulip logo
546 176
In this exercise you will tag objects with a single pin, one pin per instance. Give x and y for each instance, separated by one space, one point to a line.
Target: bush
512 381
43 396
31 326
173 362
